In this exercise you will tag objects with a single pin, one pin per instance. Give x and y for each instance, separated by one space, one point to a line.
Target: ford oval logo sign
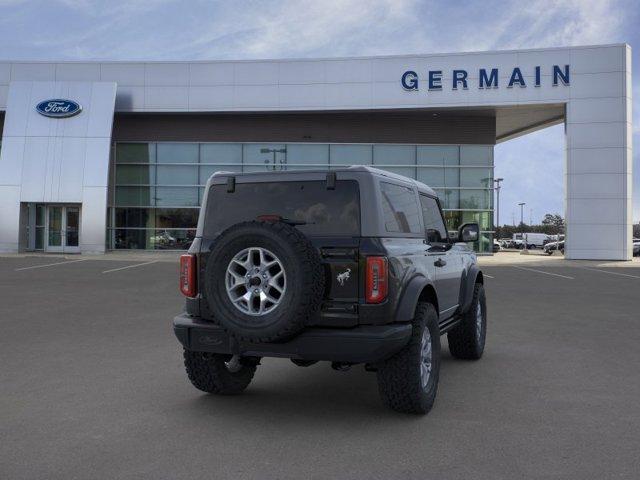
58 108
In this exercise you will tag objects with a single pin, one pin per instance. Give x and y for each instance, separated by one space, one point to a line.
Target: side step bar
449 323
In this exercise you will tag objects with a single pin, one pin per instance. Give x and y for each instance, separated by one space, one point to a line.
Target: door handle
440 263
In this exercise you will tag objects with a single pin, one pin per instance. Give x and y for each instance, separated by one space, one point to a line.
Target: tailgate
342 266
340 306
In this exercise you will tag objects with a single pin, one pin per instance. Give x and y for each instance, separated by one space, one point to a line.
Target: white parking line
546 273
488 276
130 266
50 264
611 273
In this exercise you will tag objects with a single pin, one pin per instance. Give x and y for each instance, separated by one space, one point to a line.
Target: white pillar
599 165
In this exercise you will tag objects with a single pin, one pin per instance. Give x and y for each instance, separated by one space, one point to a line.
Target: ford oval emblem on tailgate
58 108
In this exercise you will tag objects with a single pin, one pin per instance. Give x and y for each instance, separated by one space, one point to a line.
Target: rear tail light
377 279
188 285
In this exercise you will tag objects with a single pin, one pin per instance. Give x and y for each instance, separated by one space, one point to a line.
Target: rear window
320 211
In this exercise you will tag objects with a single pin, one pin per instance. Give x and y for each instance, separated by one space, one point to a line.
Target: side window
435 231
400 208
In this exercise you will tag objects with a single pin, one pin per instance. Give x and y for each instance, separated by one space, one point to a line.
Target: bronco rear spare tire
264 281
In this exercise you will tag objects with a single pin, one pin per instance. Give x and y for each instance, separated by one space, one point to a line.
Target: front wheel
408 381
466 340
218 373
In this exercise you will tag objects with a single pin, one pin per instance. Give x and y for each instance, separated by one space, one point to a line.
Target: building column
9 218
93 220
598 176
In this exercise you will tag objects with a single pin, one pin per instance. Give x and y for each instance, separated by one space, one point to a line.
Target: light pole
497 182
524 239
522 204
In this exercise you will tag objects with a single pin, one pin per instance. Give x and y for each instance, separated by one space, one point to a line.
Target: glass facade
157 187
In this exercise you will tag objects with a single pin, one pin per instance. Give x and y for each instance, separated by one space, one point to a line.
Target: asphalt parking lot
93 387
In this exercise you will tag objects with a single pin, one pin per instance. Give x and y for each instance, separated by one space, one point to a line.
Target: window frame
442 219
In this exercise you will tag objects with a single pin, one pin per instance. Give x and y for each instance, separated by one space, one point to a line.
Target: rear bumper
363 344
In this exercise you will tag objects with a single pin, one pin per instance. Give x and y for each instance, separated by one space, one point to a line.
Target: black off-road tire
399 379
209 373
465 341
305 281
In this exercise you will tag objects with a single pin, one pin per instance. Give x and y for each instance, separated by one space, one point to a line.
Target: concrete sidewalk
121 256
536 257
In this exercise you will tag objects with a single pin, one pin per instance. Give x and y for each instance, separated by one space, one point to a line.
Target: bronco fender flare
410 296
473 276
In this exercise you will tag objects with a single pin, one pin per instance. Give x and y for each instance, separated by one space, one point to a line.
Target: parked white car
550 247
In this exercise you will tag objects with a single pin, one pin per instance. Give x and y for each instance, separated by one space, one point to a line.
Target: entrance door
72 229
63 229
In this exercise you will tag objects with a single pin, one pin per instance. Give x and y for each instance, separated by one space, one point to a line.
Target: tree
553 219
552 224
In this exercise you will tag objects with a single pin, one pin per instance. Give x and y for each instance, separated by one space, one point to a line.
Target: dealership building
98 156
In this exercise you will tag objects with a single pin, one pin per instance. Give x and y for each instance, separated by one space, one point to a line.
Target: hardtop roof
353 168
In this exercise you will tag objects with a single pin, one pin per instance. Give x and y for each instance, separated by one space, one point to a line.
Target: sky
532 166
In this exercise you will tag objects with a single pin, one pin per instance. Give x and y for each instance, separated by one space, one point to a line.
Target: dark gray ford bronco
352 265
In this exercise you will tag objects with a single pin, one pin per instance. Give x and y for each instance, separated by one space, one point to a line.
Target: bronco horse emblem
343 277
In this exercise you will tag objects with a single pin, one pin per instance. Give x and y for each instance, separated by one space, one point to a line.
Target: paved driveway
92 387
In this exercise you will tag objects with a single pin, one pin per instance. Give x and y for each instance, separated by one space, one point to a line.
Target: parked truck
531 240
